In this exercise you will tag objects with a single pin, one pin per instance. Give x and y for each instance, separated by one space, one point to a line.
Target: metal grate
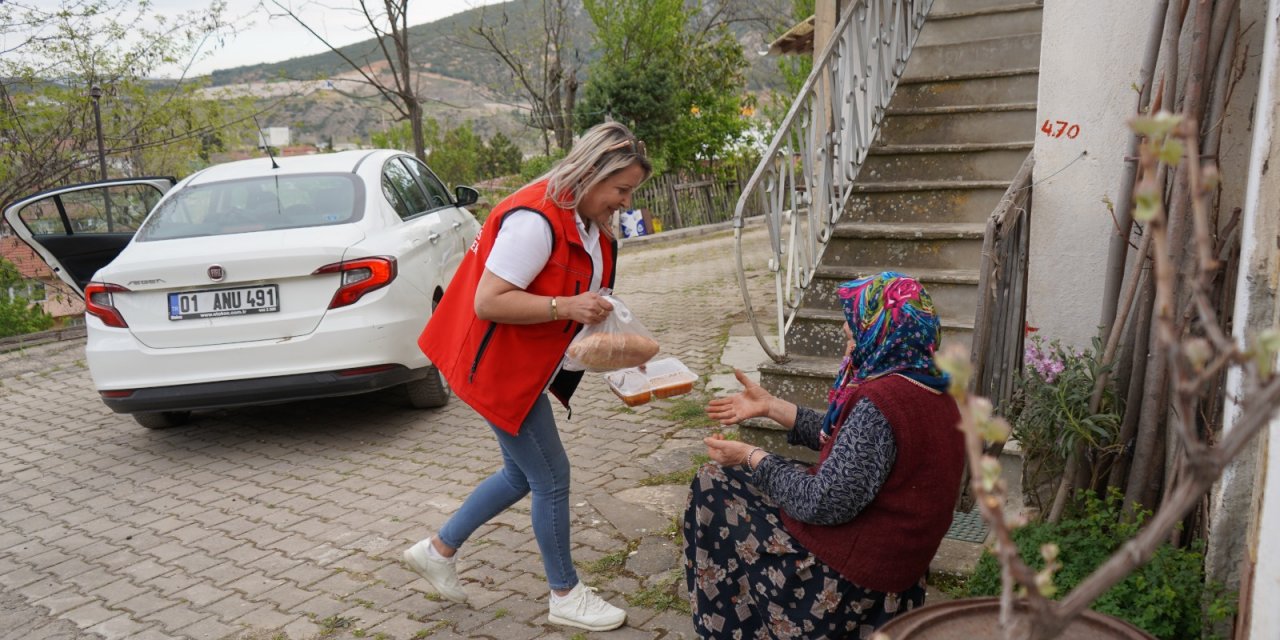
968 526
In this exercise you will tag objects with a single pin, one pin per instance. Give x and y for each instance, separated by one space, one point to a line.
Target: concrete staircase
958 127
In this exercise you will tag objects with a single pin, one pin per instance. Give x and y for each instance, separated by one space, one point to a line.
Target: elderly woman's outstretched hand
752 402
728 452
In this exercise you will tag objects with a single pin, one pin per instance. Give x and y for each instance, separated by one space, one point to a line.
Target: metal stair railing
805 178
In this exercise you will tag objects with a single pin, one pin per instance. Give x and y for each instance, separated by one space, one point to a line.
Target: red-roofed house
57 299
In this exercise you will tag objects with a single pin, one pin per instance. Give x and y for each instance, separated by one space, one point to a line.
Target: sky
266 39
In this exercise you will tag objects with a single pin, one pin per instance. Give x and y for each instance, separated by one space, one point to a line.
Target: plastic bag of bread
620 341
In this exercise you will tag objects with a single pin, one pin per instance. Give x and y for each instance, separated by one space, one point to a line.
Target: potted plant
1025 608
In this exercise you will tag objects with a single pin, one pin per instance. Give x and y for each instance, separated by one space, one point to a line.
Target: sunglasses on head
635 145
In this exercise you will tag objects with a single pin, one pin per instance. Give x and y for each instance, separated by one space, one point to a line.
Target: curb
684 233
26 340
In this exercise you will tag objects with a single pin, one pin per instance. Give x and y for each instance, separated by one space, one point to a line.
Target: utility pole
95 92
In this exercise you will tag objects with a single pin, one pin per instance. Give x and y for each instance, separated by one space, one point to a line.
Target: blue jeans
534 460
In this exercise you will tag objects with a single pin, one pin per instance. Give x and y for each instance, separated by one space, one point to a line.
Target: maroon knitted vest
888 546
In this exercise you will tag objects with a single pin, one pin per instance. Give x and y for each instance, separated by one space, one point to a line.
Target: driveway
287 522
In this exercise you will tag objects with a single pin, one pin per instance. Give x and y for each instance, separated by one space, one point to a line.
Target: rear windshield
257 204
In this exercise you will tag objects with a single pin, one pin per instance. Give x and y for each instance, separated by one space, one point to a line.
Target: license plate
216 303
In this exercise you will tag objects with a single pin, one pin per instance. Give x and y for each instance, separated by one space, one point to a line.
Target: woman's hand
728 452
752 402
586 308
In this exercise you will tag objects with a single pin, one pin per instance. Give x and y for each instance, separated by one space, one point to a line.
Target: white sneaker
584 609
442 574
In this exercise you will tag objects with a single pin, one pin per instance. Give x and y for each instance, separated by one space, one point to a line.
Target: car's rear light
359 277
361 371
98 303
116 393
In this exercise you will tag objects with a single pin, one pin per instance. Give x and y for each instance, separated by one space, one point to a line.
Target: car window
257 204
436 191
398 179
393 196
108 209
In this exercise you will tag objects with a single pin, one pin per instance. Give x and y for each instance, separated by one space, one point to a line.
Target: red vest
888 546
501 369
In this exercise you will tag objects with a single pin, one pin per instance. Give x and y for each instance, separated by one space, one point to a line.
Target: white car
258 281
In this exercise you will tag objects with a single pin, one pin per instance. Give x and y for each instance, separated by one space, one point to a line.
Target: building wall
1091 55
1257 309
1090 58
1090 64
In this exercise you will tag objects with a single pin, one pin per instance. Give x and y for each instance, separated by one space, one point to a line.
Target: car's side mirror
464 196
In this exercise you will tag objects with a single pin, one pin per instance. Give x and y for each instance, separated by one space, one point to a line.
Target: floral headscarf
895 330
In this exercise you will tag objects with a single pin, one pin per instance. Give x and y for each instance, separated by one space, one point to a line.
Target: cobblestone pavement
287 522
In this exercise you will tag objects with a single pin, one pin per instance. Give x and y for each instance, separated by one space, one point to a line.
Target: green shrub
18 315
1050 414
1163 597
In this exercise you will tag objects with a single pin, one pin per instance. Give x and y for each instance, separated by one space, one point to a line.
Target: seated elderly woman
778 549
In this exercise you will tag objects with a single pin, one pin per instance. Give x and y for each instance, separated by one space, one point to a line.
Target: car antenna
263 137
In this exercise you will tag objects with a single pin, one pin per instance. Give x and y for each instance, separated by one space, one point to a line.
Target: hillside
321 98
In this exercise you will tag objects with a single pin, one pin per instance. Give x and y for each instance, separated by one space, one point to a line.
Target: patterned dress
748 578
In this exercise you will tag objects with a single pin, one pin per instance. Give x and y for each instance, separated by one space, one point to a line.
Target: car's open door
80 228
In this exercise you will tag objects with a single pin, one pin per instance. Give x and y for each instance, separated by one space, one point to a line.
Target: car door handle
433 237
457 224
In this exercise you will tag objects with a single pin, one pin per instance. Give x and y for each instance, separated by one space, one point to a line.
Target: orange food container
664 378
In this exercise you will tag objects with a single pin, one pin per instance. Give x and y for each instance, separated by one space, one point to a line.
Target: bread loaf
609 351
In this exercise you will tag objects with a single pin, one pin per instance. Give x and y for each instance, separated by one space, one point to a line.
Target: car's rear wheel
429 392
162 419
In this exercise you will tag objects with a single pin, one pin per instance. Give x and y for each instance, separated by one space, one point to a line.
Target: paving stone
121 627
176 617
294 508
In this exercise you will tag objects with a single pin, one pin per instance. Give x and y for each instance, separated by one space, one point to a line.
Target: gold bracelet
555 313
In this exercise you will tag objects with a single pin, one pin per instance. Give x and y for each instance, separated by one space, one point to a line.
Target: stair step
954 291
902 149
945 162
953 12
967 108
985 55
904 247
989 22
914 206
1009 87
819 332
959 128
963 6
933 231
936 185
805 379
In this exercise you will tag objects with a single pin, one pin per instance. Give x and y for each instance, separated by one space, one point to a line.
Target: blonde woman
528 284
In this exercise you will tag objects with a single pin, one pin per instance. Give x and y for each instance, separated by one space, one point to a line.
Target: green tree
795 69
501 157
18 315
390 54
54 55
456 158
671 70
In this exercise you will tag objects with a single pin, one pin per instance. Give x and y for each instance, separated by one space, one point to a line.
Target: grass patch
335 623
430 631
689 413
682 477
955 585
611 565
662 595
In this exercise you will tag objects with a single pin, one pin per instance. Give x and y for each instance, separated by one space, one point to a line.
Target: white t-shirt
523 247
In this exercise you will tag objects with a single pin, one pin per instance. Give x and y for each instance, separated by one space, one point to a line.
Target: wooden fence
678 201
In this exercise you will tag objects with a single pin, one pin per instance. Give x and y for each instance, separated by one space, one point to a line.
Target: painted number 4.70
1059 128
